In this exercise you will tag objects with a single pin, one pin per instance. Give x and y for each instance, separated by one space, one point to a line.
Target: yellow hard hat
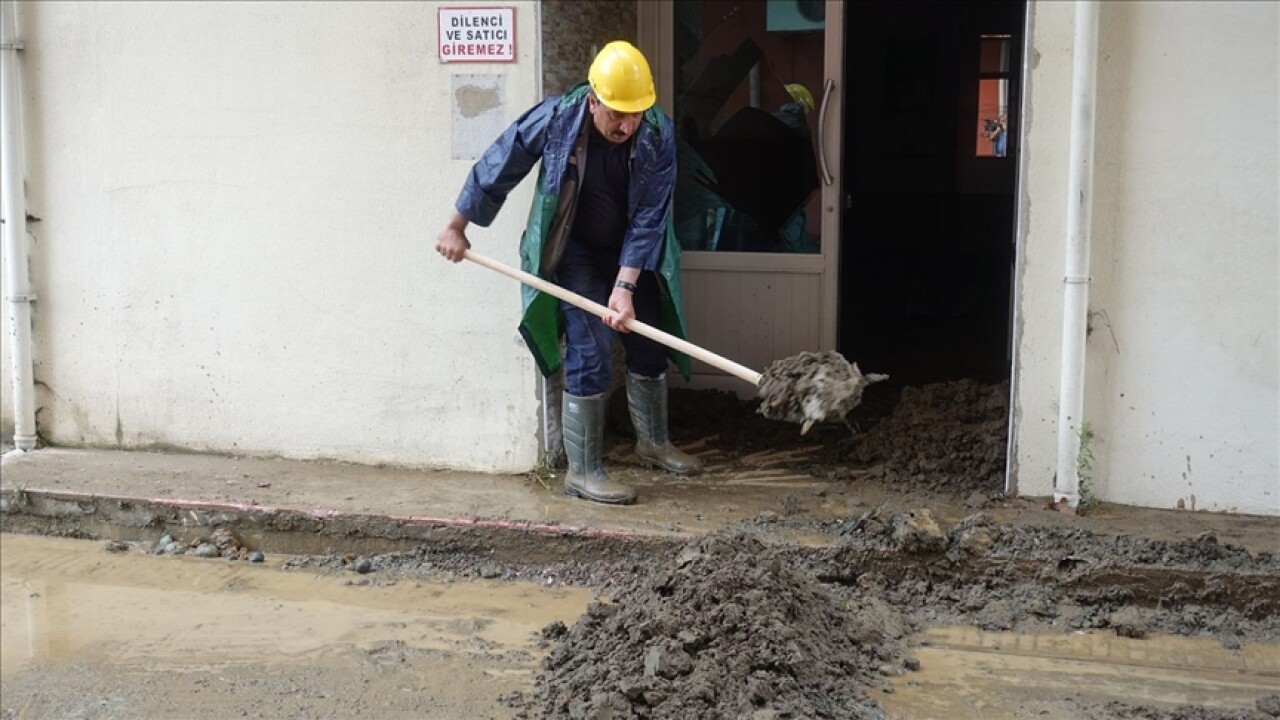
621 79
801 95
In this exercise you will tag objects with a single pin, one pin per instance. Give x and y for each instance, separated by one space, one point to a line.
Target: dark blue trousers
588 358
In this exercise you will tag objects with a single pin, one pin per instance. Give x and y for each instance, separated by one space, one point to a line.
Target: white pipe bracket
29 297
1077 279
16 45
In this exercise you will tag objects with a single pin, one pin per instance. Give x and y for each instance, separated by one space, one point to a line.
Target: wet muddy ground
925 593
896 621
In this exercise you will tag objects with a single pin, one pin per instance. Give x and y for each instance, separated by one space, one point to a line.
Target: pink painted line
446 521
207 505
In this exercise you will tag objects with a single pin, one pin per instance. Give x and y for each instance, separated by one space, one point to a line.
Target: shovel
805 388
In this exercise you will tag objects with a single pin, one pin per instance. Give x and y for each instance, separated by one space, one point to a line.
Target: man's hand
620 302
452 241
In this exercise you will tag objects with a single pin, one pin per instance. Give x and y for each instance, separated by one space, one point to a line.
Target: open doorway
915 133
930 162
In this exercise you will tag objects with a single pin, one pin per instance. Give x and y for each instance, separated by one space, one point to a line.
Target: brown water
164 635
968 673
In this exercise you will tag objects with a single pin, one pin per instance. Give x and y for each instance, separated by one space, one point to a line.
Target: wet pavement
759 487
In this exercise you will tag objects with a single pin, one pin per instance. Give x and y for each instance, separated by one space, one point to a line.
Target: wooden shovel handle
653 333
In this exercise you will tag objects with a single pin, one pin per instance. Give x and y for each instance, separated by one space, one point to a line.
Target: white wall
239 205
1184 376
6 372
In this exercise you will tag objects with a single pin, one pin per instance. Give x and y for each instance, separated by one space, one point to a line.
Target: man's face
615 126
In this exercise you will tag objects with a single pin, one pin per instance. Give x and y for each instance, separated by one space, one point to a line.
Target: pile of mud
729 629
948 437
945 436
1055 545
1029 578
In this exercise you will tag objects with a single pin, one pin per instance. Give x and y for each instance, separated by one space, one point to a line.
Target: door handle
827 91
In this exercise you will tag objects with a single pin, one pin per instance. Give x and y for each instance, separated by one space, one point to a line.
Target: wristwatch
629 287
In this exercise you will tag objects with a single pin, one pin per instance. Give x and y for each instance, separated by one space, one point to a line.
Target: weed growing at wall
1084 469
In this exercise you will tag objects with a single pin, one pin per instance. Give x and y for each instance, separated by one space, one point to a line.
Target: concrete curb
313 531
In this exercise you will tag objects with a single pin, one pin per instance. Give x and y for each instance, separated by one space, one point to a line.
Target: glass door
745 79
751 86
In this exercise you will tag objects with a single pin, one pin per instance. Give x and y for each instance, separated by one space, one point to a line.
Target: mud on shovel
805 388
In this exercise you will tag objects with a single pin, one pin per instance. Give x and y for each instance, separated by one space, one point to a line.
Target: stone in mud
226 541
690 640
115 546
976 541
1128 622
362 565
687 555
257 556
162 545
917 532
1207 537
666 662
971 536
207 550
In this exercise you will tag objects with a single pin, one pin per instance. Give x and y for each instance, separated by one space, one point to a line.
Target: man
796 112
996 131
599 227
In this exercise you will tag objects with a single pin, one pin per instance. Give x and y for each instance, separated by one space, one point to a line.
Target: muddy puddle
967 673
185 637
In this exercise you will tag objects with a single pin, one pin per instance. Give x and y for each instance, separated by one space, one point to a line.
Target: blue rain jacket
552 132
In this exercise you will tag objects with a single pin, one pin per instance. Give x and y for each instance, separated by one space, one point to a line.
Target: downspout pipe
1075 307
13 211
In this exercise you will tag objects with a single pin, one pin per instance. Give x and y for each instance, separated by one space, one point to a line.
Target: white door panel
759 306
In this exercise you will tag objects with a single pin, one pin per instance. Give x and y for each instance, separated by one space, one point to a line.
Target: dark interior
928 231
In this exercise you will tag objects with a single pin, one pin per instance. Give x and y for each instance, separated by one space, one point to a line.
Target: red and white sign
477 34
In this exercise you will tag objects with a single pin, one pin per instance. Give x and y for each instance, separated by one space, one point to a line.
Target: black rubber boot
583 427
648 401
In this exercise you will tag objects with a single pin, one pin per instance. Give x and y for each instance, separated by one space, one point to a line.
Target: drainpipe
1075 306
13 211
